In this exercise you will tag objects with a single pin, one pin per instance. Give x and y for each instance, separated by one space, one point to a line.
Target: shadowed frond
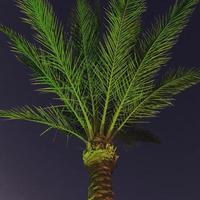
134 134
52 116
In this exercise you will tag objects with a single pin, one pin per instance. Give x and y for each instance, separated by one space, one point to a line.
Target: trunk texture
100 159
100 182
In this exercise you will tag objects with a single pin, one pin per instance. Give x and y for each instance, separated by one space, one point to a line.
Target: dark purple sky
35 168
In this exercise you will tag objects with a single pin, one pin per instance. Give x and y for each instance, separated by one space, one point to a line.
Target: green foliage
121 34
84 32
44 72
149 55
51 116
161 95
104 81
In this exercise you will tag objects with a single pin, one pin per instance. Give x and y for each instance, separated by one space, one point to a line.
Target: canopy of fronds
106 81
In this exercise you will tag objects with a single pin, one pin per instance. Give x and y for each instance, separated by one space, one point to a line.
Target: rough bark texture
100 182
100 159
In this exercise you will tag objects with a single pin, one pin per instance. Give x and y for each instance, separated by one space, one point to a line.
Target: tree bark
100 181
100 160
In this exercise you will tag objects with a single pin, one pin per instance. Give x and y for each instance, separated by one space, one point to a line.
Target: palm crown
104 81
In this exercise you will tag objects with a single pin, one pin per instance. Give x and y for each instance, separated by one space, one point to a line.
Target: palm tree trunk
100 163
100 181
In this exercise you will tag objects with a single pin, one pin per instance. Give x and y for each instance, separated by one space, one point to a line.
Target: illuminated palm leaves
122 18
151 52
43 73
161 95
104 83
84 32
50 34
51 116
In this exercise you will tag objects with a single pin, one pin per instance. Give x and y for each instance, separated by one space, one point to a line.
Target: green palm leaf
151 52
122 32
85 34
40 15
26 52
52 116
161 95
29 55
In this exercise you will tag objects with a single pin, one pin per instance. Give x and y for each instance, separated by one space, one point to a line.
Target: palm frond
151 52
32 57
85 34
45 73
122 17
161 95
52 116
84 29
26 52
40 15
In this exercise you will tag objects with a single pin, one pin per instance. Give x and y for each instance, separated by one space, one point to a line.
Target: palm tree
107 82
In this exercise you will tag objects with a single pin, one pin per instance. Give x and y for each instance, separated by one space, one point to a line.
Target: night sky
36 168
